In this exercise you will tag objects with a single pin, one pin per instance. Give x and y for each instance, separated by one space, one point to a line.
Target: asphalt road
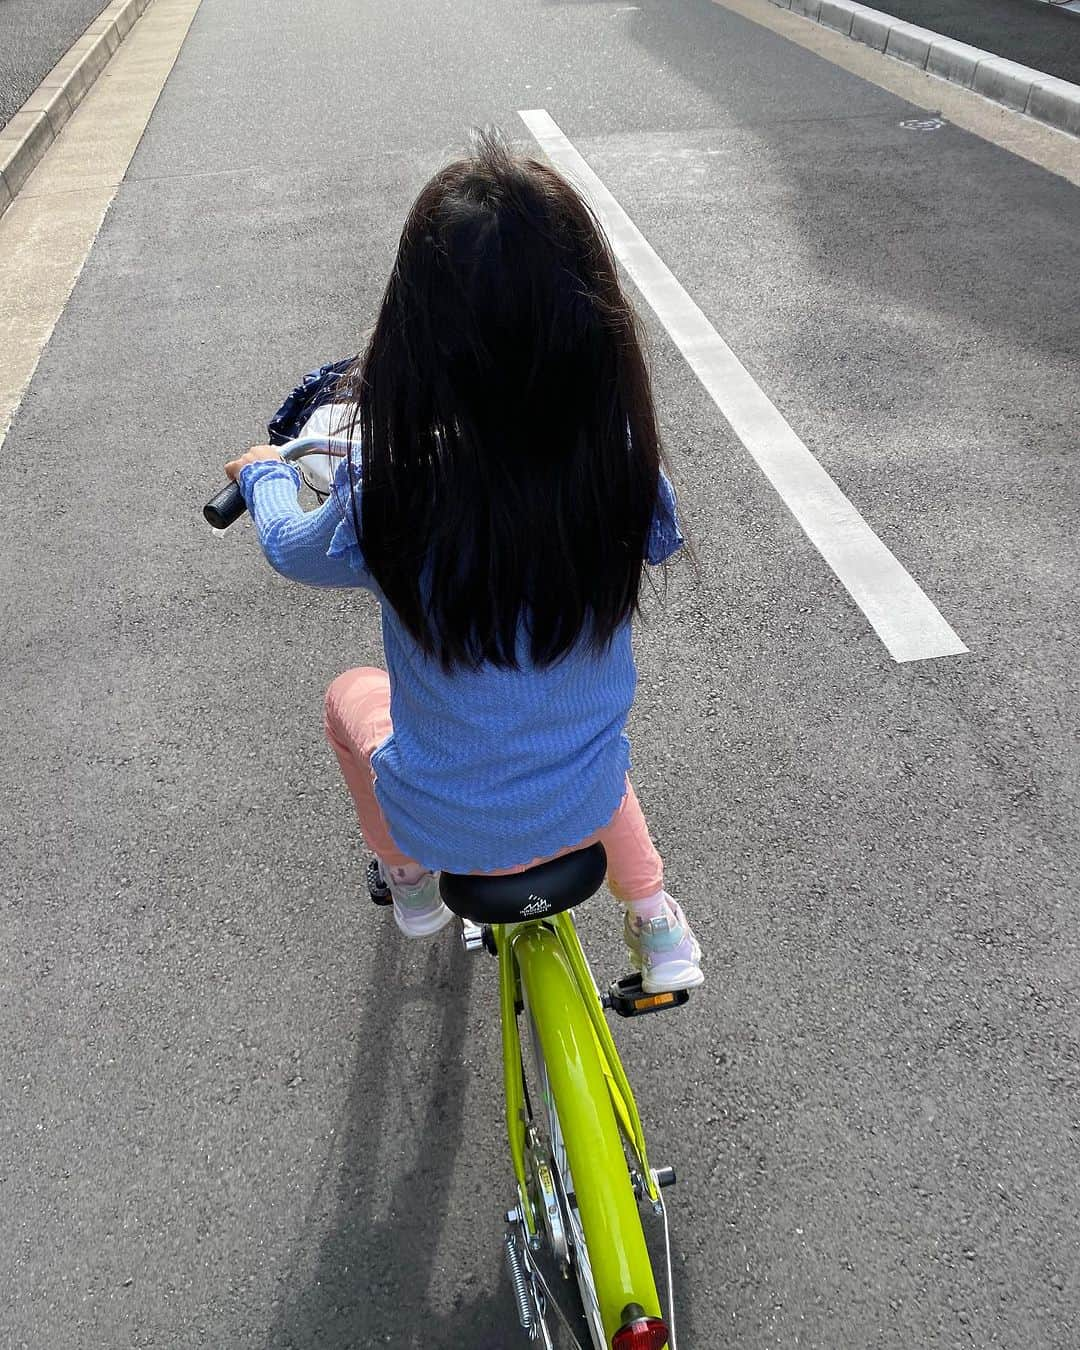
33 37
239 1111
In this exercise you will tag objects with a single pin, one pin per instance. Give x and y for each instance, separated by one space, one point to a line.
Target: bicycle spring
521 1286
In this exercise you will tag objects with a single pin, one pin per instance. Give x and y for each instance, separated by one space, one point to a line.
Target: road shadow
369 1284
909 242
370 1281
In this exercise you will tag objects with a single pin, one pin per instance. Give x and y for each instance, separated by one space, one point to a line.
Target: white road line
899 610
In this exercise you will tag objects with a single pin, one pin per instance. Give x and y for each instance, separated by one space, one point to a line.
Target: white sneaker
664 949
418 909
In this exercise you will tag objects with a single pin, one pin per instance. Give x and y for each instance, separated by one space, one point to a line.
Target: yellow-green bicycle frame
596 1107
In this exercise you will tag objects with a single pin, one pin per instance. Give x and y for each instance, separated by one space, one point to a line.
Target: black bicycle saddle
548 888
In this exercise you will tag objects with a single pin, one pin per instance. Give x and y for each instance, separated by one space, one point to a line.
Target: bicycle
577 1146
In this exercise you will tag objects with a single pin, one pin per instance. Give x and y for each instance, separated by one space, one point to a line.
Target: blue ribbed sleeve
317 548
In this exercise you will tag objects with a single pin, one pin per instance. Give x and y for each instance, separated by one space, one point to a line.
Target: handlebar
229 505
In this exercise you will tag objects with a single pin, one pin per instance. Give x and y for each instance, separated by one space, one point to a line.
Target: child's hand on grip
256 452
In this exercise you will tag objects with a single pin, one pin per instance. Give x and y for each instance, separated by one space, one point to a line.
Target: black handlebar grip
227 506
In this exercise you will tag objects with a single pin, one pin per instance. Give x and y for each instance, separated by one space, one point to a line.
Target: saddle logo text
537 905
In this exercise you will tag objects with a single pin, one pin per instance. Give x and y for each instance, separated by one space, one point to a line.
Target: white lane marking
898 609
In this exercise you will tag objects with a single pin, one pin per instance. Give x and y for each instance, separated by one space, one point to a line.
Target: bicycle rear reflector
628 999
640 1332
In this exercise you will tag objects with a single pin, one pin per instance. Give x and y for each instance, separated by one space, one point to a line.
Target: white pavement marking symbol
901 614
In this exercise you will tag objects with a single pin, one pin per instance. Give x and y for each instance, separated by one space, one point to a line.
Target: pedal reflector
628 999
650 1001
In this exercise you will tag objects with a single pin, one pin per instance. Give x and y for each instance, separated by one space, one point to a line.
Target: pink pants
358 721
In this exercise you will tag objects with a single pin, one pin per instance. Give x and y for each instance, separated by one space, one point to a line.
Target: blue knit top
484 769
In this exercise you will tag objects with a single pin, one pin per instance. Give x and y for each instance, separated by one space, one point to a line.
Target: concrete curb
36 125
1050 100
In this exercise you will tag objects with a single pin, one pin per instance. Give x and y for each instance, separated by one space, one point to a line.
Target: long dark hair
509 448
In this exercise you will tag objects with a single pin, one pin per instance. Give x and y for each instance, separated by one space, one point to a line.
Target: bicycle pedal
377 888
627 998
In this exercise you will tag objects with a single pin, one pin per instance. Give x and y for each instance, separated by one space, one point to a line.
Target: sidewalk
1028 31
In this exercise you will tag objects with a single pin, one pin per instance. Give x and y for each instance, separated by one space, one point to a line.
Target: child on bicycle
502 496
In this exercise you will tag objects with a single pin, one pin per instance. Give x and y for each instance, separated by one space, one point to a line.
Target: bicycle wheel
608 1253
